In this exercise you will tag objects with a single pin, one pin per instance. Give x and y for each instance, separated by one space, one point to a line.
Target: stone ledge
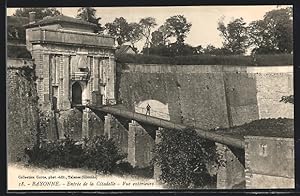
167 68
268 138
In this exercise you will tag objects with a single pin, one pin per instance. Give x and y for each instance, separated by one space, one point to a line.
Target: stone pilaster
222 172
46 82
60 82
38 60
231 172
110 86
140 146
65 99
95 74
158 139
85 122
131 143
107 125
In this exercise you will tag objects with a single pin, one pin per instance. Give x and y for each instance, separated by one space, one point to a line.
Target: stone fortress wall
209 95
22 116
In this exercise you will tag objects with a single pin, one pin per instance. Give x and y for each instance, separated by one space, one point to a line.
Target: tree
235 35
274 33
157 39
261 38
160 36
198 50
135 34
40 13
178 27
182 156
89 14
147 24
120 29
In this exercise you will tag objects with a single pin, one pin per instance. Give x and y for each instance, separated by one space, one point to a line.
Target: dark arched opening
76 94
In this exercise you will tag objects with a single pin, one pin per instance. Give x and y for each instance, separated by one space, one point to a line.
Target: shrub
273 60
287 99
101 154
123 168
182 157
50 154
97 153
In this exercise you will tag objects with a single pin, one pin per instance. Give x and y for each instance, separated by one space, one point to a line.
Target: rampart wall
22 108
209 96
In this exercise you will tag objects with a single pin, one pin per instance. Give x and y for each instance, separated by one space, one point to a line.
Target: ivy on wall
183 157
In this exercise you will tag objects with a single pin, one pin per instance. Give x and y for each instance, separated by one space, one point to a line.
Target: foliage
202 59
14 32
98 153
273 59
18 52
123 168
120 29
160 36
235 35
157 39
271 127
274 33
287 99
15 29
135 33
102 154
89 14
40 13
212 50
146 25
182 157
170 50
178 27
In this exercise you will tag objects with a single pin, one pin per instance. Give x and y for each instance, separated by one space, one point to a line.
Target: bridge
154 121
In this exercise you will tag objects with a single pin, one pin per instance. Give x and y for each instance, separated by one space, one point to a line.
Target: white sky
204 19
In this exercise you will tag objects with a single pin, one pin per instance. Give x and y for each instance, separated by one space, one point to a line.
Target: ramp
117 111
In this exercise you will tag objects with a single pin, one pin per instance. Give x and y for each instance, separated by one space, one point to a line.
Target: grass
240 60
281 127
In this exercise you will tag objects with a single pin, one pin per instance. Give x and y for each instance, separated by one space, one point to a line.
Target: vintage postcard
150 98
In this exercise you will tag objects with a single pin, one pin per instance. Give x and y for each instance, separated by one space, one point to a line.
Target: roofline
75 32
72 44
29 25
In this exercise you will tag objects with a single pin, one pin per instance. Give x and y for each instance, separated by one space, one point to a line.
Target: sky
204 19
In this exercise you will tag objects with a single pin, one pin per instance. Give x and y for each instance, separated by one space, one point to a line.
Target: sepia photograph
150 98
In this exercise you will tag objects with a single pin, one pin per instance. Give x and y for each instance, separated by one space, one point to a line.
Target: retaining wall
209 96
22 119
269 162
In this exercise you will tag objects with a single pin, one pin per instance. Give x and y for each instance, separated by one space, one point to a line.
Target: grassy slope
281 127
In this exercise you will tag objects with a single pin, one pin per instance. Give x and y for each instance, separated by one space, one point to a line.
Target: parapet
67 37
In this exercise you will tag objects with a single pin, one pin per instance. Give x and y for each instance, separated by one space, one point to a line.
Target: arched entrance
76 94
157 108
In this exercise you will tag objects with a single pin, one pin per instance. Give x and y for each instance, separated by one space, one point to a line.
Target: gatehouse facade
74 65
